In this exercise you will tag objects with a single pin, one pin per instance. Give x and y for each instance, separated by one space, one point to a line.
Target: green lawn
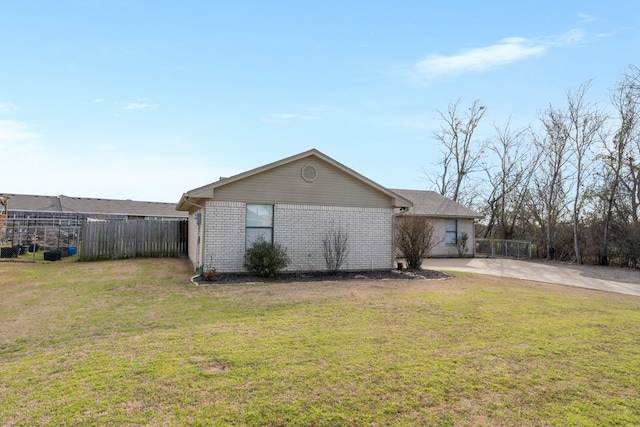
133 343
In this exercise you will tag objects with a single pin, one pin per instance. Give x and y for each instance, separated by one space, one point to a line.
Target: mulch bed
320 276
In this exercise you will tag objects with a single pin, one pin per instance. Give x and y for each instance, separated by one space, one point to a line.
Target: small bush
463 244
209 275
335 248
265 259
415 238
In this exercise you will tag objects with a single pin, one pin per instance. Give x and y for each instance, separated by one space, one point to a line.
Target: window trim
448 232
267 228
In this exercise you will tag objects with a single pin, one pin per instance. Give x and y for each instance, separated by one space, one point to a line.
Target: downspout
198 221
394 260
393 239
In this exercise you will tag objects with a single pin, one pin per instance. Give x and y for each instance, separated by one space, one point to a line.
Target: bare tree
626 100
508 179
585 126
461 152
553 147
335 248
553 185
415 239
631 171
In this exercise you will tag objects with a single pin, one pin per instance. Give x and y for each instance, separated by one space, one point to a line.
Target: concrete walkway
623 281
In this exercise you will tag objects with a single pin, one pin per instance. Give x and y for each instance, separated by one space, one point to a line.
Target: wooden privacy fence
102 240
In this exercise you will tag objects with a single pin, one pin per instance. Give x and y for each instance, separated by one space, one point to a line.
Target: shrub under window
265 259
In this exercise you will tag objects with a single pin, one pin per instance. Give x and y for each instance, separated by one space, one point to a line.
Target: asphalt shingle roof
83 205
430 203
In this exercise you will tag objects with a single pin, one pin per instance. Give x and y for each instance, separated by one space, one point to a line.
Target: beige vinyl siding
285 184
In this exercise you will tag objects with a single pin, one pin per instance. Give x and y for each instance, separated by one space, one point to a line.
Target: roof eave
436 215
187 202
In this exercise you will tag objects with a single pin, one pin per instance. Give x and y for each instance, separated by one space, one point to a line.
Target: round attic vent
309 173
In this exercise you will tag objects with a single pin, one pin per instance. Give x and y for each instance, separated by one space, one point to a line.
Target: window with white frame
259 223
451 231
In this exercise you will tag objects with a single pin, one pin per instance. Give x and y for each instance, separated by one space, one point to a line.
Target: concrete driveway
619 280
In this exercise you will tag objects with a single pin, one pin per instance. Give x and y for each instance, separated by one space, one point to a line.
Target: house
46 219
449 219
298 201
55 208
295 202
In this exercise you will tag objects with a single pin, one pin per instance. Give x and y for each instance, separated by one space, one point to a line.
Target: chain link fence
21 235
503 248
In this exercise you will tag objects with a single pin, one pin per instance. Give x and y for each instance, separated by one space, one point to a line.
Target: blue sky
146 100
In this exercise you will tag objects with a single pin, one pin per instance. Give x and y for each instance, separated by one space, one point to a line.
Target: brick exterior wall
224 236
300 228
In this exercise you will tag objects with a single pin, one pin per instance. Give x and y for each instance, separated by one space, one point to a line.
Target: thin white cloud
137 103
6 108
505 52
571 37
137 106
586 18
281 117
479 59
308 114
96 101
322 107
12 132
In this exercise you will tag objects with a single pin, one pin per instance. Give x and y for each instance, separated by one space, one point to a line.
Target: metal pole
77 240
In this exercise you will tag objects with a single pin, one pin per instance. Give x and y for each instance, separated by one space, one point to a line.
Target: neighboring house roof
82 205
432 204
24 202
192 197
